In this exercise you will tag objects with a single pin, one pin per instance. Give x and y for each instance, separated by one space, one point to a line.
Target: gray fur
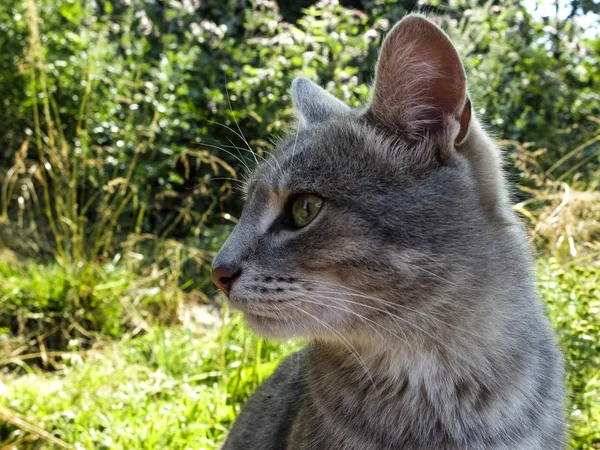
265 422
314 104
414 285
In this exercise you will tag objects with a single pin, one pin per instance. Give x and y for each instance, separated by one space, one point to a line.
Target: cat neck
393 364
403 394
475 343
465 362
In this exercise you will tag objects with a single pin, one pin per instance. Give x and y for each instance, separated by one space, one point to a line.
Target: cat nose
224 276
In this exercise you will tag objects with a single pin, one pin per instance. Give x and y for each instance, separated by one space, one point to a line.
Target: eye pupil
306 208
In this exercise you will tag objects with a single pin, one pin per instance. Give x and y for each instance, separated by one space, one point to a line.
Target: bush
146 108
44 308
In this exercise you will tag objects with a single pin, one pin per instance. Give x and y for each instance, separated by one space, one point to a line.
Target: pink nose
224 277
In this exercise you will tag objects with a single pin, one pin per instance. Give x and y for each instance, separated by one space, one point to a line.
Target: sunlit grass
182 387
172 388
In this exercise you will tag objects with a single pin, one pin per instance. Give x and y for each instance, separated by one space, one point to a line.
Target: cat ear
313 104
420 83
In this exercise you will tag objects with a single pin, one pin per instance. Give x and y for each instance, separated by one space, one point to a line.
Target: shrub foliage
141 110
128 125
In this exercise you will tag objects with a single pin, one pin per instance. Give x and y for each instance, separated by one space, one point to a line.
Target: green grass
172 388
181 387
43 307
572 296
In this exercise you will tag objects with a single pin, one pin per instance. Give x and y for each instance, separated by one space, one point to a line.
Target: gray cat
385 236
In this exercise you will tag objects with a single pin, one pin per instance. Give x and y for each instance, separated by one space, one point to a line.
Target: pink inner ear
419 79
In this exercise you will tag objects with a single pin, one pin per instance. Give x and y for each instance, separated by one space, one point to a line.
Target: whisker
410 324
406 322
237 157
249 149
345 341
374 308
237 180
232 146
236 122
422 269
272 157
354 313
242 149
395 305
213 122
297 133
402 338
267 161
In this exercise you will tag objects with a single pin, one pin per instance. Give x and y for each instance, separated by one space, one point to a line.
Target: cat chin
270 327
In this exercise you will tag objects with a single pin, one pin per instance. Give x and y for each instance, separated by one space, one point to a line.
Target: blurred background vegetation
126 125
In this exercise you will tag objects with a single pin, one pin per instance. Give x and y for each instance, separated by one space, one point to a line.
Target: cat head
364 222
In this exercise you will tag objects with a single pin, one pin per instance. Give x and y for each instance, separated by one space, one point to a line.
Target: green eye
305 208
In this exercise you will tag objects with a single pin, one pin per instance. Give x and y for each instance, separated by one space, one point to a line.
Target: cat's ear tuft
420 83
313 104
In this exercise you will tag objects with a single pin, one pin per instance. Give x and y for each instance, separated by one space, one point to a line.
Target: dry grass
564 210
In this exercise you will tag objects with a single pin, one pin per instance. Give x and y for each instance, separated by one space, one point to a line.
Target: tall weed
80 207
562 205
